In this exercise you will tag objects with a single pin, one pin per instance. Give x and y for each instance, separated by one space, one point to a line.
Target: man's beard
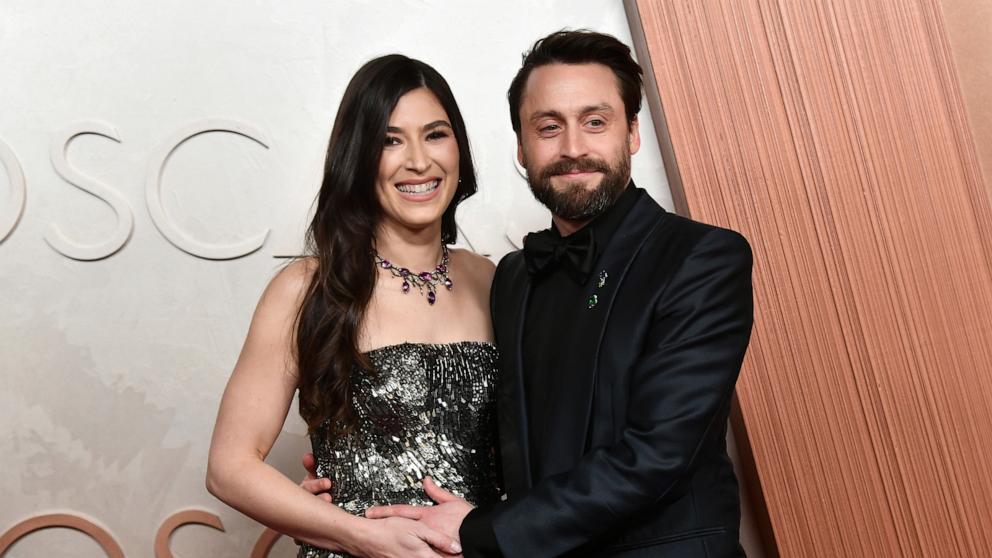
574 201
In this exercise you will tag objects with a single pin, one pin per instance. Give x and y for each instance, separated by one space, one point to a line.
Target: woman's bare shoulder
290 284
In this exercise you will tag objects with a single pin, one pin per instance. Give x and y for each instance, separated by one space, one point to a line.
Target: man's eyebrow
431 126
601 107
546 114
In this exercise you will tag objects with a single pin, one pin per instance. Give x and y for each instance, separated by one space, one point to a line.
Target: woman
384 330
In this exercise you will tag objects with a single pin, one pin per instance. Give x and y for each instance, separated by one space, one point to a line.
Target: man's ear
634 135
520 154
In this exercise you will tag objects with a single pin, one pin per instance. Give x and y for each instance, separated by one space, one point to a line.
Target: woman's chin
416 221
416 215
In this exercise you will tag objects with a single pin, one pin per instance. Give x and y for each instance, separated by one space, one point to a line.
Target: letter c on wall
153 193
10 213
69 521
177 520
263 546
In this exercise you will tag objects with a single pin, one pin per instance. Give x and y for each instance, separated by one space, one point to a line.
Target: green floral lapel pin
593 299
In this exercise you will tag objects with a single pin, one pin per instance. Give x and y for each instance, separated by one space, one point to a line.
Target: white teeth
419 188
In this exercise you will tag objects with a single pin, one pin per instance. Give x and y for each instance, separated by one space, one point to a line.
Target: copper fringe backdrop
833 135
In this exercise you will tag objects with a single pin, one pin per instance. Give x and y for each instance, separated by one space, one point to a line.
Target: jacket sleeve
680 389
476 530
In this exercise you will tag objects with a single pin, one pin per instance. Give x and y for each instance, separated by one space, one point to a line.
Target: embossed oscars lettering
110 546
13 207
64 520
265 543
153 193
515 231
125 218
10 212
177 520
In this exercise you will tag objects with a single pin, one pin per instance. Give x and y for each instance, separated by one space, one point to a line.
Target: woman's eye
392 140
437 134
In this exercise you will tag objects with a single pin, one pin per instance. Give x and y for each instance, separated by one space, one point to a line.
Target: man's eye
549 128
597 123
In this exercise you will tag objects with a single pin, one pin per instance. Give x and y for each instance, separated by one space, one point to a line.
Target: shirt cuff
477 536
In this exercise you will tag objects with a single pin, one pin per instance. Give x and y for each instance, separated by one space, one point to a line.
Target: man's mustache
582 164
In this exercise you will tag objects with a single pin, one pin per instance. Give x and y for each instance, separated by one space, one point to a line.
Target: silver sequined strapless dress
427 410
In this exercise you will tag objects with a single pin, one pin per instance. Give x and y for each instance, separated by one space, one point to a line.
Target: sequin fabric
427 410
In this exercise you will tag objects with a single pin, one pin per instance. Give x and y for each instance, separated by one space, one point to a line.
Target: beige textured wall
111 370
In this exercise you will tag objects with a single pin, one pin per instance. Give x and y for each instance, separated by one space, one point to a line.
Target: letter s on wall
10 213
125 218
153 193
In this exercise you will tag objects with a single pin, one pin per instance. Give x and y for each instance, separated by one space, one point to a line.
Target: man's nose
574 144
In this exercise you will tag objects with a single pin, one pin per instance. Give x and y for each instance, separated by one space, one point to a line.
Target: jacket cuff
478 539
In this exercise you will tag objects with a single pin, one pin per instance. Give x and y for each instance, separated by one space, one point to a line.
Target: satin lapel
568 426
511 403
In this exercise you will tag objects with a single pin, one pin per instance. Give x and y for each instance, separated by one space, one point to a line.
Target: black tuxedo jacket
638 461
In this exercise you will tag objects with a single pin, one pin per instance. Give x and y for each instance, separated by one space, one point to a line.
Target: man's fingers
316 486
311 483
310 464
436 493
440 541
397 510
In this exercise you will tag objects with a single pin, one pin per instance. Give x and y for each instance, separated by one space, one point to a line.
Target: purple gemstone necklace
425 280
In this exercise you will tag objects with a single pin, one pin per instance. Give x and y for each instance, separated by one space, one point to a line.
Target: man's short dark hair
580 47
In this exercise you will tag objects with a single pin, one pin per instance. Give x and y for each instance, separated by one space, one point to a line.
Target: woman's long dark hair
340 237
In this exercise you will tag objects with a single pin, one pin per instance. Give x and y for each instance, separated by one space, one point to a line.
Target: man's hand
446 517
318 487
397 537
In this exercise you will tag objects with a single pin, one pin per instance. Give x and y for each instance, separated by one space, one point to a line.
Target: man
622 329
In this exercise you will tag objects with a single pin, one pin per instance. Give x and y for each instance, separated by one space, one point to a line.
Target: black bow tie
576 252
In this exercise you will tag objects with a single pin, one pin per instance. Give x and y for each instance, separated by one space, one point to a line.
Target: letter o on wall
10 212
68 521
